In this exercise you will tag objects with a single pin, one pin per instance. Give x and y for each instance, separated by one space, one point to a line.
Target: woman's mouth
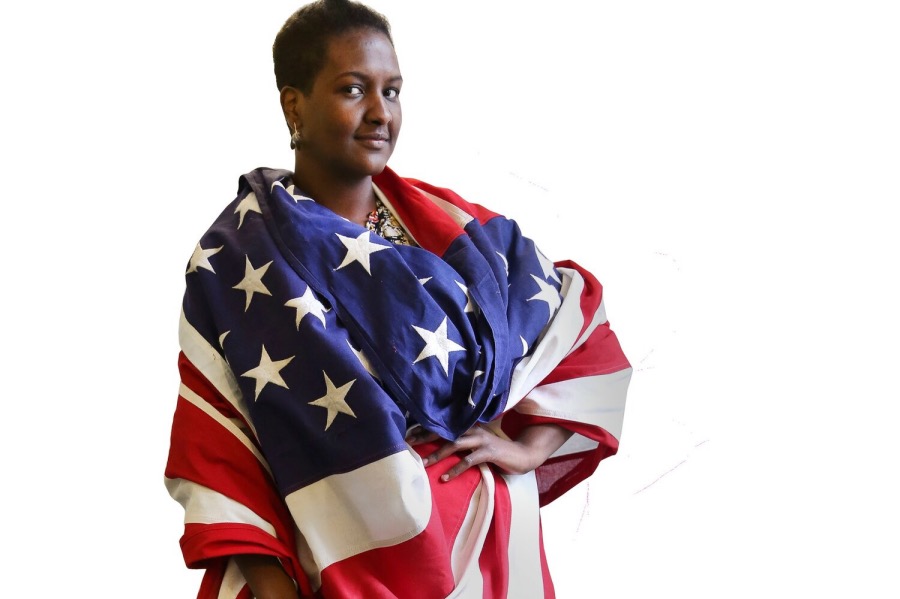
374 142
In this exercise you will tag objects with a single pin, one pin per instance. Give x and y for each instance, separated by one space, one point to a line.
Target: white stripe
232 581
232 428
598 400
464 543
599 318
576 444
202 505
459 216
378 505
556 341
526 578
526 573
212 365
470 540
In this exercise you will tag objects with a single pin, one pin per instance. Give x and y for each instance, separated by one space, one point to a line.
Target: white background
729 170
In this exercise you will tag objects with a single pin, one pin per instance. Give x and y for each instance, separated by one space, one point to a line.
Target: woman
381 382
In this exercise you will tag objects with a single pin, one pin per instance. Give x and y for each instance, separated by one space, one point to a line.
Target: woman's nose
378 112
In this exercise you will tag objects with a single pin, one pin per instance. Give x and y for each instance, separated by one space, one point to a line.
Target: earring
295 138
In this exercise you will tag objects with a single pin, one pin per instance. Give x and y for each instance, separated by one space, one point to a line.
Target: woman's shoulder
261 180
244 206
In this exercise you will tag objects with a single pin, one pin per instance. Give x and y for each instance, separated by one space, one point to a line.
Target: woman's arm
478 445
266 577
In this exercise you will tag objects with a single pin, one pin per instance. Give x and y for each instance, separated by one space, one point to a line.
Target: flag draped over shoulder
309 345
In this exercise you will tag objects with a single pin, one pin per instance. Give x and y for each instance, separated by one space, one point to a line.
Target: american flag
310 345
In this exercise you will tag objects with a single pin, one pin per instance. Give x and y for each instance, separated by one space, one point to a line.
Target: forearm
541 441
266 577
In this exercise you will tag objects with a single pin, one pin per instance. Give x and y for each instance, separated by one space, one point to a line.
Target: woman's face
351 118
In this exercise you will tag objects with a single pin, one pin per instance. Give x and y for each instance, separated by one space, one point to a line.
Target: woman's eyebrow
364 77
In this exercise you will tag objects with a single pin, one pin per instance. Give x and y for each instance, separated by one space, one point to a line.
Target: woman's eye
391 93
354 90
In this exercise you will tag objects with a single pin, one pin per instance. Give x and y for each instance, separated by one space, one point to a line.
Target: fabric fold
310 345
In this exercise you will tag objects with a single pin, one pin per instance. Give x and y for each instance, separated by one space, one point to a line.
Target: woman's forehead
366 51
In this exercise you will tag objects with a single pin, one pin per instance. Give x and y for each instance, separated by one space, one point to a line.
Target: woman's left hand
479 445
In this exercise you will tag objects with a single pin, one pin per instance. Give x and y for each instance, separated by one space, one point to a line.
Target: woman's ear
292 106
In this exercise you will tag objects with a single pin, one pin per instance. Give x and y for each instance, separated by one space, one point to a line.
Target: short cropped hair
301 45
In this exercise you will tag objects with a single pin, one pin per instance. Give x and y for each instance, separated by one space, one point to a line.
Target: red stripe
494 558
212 583
204 452
599 354
202 543
195 380
212 580
386 572
591 295
478 211
419 213
558 475
549 591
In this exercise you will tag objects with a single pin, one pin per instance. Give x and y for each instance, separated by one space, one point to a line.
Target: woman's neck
353 200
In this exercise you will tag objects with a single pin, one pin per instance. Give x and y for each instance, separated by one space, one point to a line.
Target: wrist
541 441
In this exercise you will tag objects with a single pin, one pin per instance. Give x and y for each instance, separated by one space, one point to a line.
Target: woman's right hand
480 445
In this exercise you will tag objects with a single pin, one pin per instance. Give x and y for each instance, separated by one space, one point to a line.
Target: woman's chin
375 165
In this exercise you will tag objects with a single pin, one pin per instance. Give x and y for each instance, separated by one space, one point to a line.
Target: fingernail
424 461
445 477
